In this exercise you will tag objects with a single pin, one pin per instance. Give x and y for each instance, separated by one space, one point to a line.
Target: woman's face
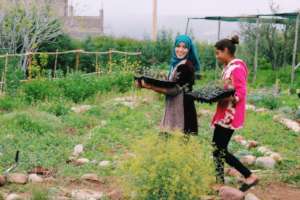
222 55
181 50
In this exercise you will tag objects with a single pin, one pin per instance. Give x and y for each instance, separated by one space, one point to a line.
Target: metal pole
295 50
256 50
154 22
187 26
219 37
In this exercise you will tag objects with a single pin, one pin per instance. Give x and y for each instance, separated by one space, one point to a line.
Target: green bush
58 107
297 115
8 103
77 87
173 167
40 90
271 102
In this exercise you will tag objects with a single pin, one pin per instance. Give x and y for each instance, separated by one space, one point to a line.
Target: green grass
46 132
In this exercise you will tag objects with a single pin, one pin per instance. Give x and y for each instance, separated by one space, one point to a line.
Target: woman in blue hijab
180 112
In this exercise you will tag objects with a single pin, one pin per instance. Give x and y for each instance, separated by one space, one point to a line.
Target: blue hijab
191 56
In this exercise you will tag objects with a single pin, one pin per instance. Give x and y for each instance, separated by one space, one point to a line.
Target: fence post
110 60
77 59
29 65
55 64
3 78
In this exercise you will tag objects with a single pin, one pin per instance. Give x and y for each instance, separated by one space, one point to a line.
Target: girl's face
181 50
223 56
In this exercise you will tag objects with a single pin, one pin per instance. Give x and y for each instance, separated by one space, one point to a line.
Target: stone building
76 26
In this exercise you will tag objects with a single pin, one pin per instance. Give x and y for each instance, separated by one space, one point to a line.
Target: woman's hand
145 85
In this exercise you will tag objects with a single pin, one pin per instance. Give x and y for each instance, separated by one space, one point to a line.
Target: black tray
211 95
155 82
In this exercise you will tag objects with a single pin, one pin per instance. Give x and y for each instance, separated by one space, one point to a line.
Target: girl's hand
145 85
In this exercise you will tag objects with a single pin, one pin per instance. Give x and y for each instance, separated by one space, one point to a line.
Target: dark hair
230 44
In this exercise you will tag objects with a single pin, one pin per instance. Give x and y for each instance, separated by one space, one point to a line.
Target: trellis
77 53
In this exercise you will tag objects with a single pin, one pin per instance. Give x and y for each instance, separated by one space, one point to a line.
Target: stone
264 150
13 197
238 138
2 180
104 163
251 196
81 161
248 160
250 107
90 177
252 144
229 193
78 149
204 112
86 194
34 178
276 156
261 110
17 178
265 162
115 195
81 108
103 123
232 172
290 124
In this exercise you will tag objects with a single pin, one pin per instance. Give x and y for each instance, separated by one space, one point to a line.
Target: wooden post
110 60
55 63
77 60
3 78
126 67
295 50
256 50
29 66
96 65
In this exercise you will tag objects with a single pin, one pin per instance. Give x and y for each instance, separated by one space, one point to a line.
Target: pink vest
230 115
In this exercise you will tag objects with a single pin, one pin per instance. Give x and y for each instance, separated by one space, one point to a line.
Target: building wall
76 26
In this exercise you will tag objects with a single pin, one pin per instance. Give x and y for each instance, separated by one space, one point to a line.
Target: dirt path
277 191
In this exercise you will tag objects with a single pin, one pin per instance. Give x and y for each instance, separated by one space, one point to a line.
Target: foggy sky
132 18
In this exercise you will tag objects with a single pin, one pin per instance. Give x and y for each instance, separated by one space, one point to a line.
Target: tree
25 26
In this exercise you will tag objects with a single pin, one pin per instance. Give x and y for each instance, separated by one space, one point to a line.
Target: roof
278 18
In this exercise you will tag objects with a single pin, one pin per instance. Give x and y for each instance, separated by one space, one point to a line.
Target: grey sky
133 17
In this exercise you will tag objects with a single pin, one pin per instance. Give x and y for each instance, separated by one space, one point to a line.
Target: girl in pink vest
230 112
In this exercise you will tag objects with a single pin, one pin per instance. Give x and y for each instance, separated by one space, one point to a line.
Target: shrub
171 167
8 103
77 87
40 90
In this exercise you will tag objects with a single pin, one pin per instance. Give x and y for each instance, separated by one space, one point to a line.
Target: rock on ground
13 197
265 162
2 180
86 195
290 124
34 178
104 163
81 108
229 193
251 196
248 160
78 149
90 177
17 178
